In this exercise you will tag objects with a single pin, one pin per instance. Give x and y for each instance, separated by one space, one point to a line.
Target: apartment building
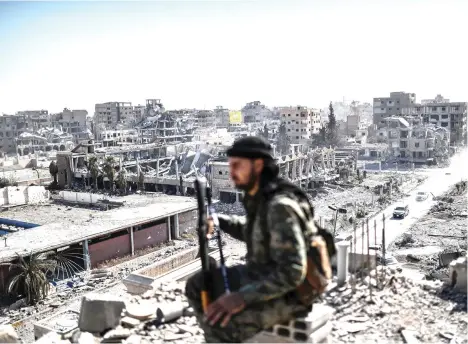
301 123
109 115
221 117
11 126
419 143
73 122
450 115
256 113
397 104
36 119
205 119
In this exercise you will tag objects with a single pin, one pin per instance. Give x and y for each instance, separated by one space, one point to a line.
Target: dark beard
250 184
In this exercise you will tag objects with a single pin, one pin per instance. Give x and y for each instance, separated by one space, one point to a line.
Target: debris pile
426 311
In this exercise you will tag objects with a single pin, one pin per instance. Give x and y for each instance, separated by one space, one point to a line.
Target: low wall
19 195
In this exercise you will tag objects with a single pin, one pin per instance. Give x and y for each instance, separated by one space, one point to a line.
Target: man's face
245 172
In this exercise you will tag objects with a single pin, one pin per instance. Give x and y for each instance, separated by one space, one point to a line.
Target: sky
200 54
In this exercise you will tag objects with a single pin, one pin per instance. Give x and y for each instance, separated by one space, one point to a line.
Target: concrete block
8 334
51 338
321 335
100 312
300 329
138 284
62 323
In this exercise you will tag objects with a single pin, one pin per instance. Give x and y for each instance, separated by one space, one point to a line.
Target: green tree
93 167
332 129
109 170
31 280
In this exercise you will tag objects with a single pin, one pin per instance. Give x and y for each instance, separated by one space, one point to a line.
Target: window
416 144
434 109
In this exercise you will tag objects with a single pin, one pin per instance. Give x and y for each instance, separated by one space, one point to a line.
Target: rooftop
63 225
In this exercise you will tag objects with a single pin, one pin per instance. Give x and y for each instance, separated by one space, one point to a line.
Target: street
439 181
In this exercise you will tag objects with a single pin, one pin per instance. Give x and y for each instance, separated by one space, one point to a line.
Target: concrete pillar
87 259
176 227
380 166
132 243
343 263
168 222
237 197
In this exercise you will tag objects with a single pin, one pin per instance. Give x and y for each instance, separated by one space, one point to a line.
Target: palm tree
122 180
31 281
109 170
93 167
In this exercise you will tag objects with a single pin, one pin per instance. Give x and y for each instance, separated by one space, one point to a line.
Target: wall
80 197
109 249
150 236
18 195
4 275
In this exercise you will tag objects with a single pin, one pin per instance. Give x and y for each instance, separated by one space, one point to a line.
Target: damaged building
309 168
152 167
45 140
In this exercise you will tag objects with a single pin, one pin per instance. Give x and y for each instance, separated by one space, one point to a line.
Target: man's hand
224 307
210 229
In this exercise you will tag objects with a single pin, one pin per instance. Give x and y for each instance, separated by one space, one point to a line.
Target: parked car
401 212
421 196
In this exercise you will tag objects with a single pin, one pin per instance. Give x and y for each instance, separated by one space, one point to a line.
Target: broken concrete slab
100 312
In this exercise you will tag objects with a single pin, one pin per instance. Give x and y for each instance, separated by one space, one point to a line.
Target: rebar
368 259
383 249
375 255
354 256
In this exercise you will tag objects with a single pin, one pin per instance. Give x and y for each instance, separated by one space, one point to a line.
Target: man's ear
258 165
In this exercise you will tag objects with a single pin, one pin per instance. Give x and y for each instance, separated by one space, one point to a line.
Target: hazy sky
202 54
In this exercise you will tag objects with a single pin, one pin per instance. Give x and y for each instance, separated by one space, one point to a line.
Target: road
439 181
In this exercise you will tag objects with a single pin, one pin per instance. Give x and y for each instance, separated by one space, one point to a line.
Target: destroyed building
305 167
418 144
164 128
46 140
150 167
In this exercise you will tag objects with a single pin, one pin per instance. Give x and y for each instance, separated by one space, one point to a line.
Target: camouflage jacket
276 250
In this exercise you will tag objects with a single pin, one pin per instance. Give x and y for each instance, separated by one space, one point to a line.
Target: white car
422 196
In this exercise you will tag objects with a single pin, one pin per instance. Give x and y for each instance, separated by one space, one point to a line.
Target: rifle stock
200 188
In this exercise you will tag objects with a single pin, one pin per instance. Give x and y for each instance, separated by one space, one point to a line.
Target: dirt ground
442 230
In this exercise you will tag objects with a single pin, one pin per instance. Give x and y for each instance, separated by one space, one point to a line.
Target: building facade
397 104
73 122
301 123
256 113
109 115
221 117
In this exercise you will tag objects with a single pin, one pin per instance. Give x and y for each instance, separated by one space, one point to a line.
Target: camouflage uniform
276 265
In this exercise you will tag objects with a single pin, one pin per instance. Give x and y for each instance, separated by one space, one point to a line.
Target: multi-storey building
205 119
11 126
301 123
450 115
74 122
221 117
109 115
256 113
36 119
418 143
397 104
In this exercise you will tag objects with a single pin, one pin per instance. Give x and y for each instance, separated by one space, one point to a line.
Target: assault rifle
202 229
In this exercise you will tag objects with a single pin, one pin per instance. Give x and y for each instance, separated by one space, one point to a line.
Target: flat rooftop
61 224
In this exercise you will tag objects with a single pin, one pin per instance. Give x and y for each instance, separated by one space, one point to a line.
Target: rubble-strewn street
441 232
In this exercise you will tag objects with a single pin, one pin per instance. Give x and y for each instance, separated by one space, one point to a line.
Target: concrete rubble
403 308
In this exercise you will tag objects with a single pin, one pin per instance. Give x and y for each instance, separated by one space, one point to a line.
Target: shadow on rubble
458 298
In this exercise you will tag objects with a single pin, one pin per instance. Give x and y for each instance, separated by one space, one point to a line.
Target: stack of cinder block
314 328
